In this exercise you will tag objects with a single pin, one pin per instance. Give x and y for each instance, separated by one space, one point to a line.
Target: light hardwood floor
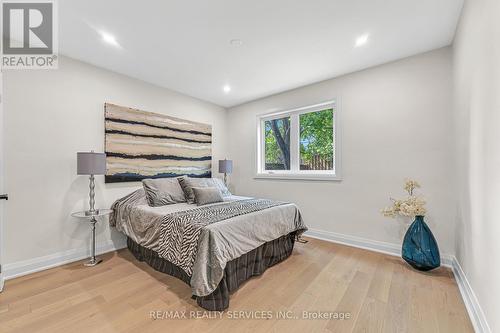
381 294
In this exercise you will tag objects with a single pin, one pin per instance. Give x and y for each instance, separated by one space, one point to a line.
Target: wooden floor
380 294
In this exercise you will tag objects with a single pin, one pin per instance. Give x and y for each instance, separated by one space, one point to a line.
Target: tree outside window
316 141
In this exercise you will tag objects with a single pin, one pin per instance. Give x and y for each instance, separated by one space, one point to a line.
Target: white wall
49 116
396 123
477 108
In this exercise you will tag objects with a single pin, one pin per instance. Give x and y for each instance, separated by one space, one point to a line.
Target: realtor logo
29 34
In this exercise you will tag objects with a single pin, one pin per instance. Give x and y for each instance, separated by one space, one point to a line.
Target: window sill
295 176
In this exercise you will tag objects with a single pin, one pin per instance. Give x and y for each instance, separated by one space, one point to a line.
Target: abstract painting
142 144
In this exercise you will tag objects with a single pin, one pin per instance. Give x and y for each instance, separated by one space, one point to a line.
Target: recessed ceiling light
226 88
108 38
236 42
362 40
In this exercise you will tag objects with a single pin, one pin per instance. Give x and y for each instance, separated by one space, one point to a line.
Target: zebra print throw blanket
180 231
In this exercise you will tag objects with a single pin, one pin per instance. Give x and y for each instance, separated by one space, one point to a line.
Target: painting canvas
142 144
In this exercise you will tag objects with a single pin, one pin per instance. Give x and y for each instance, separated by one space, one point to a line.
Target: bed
214 248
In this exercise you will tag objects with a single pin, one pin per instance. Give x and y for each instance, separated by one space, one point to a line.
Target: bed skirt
237 271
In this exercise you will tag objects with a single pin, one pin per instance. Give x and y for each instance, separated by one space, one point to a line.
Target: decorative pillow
207 195
219 183
163 191
187 184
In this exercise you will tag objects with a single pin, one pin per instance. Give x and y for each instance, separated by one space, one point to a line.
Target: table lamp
91 164
225 167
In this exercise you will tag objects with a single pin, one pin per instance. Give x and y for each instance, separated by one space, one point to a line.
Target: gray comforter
218 243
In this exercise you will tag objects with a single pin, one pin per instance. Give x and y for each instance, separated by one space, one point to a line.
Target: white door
2 200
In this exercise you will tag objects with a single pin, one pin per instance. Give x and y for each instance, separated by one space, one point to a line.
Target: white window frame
295 172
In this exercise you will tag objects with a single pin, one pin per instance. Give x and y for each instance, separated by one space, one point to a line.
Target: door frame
2 183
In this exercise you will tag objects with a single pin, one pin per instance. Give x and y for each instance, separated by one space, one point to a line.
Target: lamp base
92 262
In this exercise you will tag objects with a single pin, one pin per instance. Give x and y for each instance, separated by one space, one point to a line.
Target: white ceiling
185 45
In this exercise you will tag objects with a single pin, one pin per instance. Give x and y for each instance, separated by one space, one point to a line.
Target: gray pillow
207 195
187 184
163 191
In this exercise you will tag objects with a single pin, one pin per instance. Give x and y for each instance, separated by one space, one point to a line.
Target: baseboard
367 244
474 309
25 267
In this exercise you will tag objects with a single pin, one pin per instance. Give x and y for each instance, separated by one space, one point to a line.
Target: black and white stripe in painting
142 144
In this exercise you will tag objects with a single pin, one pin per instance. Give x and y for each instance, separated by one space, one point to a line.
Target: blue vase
420 248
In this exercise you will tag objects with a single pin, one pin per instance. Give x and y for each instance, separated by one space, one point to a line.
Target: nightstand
92 217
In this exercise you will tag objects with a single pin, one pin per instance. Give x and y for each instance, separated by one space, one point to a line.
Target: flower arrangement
411 206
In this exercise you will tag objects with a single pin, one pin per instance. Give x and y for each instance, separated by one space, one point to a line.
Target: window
277 144
301 143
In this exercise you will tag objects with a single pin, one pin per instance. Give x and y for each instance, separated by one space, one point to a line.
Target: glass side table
92 216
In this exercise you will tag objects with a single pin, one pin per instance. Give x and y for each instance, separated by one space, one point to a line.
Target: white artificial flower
411 206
